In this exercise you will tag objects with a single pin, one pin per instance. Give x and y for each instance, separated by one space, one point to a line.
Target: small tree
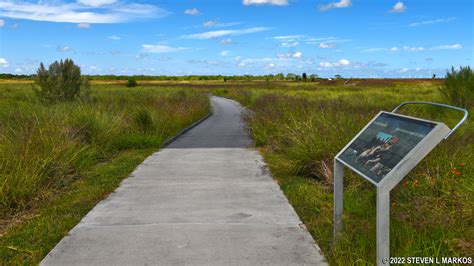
61 82
458 87
313 77
132 83
305 77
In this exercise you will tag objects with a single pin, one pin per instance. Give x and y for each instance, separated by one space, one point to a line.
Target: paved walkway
204 200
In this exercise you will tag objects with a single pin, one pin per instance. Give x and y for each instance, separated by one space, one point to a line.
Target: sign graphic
384 143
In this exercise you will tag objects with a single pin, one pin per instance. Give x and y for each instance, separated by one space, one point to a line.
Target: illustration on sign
384 143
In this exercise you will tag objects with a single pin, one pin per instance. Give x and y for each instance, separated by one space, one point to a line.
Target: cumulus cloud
115 38
227 41
83 25
399 7
224 53
192 12
340 4
342 62
85 11
265 2
3 62
2 23
327 45
159 49
295 55
222 33
210 23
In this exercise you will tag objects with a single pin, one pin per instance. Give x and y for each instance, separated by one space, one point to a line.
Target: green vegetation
132 82
458 87
58 160
301 127
61 82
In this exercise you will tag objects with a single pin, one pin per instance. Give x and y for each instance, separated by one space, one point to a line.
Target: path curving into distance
205 199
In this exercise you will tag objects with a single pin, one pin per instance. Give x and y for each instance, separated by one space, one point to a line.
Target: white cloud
2 23
340 4
224 53
115 38
295 55
90 11
158 49
265 2
18 70
63 49
227 41
399 7
327 45
222 33
436 21
412 49
404 70
448 47
192 12
96 3
288 37
210 23
342 62
289 44
83 25
3 62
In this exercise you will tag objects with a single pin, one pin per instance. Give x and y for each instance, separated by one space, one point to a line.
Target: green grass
300 128
57 161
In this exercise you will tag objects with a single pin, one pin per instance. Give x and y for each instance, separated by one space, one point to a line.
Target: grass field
58 160
300 128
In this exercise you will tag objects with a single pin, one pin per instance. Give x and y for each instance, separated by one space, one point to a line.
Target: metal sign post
384 152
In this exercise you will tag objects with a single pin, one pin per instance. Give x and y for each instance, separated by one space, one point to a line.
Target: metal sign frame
391 179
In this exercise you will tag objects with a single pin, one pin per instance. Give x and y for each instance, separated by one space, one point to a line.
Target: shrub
61 82
132 83
458 87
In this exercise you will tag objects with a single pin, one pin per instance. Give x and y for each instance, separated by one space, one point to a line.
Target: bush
132 83
458 87
61 82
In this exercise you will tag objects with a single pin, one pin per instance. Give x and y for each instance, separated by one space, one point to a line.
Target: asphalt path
205 199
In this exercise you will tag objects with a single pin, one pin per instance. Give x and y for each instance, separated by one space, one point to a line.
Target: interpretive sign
384 152
384 143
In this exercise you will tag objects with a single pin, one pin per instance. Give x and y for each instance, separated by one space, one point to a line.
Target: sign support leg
338 196
383 226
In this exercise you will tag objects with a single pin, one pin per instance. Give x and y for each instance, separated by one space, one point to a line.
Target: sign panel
384 143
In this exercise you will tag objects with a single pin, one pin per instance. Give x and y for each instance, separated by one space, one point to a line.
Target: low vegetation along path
204 199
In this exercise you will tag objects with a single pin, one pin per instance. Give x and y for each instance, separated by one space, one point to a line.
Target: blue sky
353 38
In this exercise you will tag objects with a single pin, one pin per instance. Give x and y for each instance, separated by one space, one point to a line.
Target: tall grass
300 129
47 147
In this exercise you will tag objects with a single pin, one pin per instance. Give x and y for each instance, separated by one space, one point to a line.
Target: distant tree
313 77
132 82
337 76
304 77
290 76
62 81
434 76
280 76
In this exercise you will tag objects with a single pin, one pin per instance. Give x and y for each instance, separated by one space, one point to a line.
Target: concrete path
206 199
